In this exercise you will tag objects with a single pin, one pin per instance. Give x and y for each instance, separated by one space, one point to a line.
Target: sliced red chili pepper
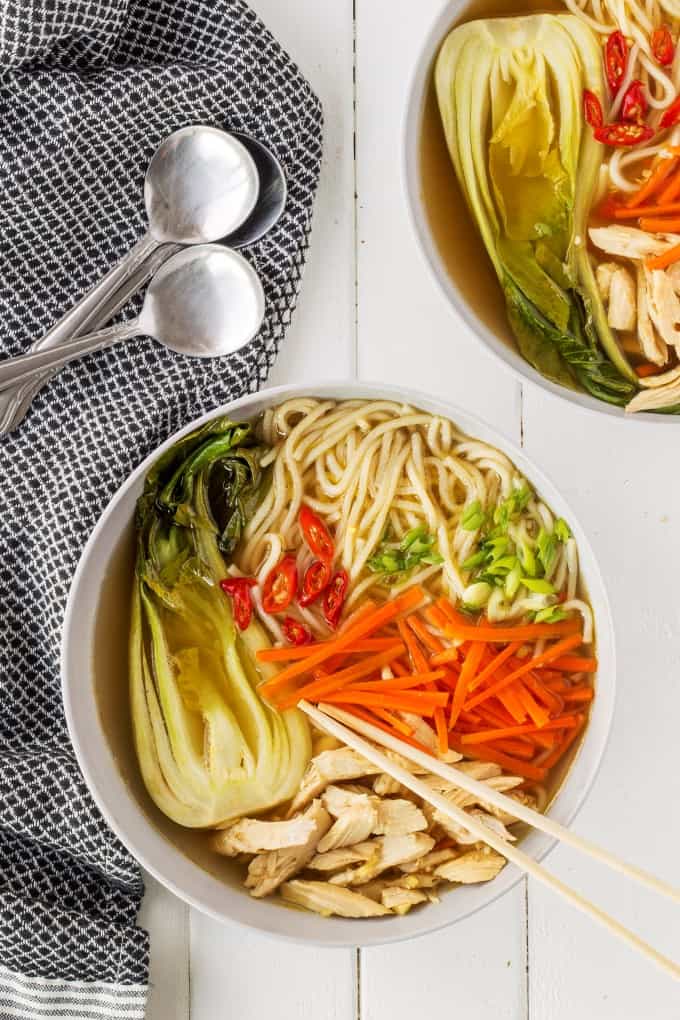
238 589
620 135
334 599
635 105
616 60
295 632
672 115
663 46
592 109
315 581
280 586
316 535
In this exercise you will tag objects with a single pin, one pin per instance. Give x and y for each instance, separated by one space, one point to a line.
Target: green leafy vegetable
552 614
562 531
415 549
510 93
209 748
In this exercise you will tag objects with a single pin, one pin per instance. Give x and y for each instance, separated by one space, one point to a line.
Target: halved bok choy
510 96
209 748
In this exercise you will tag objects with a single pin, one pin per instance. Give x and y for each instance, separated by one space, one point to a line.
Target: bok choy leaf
208 746
510 93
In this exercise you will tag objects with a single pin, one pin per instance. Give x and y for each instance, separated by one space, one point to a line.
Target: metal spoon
235 184
204 302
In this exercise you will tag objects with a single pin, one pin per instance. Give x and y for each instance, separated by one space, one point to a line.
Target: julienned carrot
394 721
418 658
484 736
492 666
665 259
537 713
671 191
423 703
646 370
660 225
522 632
566 742
336 681
665 209
305 651
582 694
399 683
575 664
467 674
546 697
512 765
369 717
432 643
436 617
367 625
549 655
654 181
516 747
511 703
441 730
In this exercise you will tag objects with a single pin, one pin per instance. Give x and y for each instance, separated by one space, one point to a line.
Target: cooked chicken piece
425 735
631 243
651 399
475 866
399 818
505 816
353 826
480 770
430 861
385 785
466 838
664 307
603 275
389 851
253 836
400 900
330 767
463 799
324 742
419 880
326 899
269 870
338 799
653 348
622 312
335 860
373 889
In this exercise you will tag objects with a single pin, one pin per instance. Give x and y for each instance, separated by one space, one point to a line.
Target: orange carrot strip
399 669
522 632
537 713
646 370
336 681
441 730
657 177
549 655
545 740
394 721
467 673
303 652
491 668
435 616
432 643
565 744
511 703
584 694
369 624
369 717
422 703
512 765
575 664
445 657
542 694
663 209
483 736
516 747
418 657
671 191
398 683
665 259
662 225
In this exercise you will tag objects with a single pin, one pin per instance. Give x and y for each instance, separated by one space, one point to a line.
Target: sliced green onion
473 517
561 531
477 595
551 614
538 585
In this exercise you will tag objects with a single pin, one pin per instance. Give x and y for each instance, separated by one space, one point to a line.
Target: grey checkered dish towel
88 88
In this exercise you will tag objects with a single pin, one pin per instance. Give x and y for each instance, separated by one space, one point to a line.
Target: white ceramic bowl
446 232
94 677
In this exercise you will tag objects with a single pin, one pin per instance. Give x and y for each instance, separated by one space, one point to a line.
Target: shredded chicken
476 866
326 899
465 838
267 871
388 852
400 900
253 836
664 306
384 785
354 825
622 312
653 348
603 274
631 243
330 767
337 860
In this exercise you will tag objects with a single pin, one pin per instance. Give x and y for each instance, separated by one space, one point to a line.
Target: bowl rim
82 711
410 179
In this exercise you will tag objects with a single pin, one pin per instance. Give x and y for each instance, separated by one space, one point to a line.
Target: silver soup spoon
204 302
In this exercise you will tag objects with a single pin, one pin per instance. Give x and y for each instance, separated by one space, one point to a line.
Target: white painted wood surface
369 308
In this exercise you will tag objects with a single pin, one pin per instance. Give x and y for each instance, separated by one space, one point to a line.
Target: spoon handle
23 367
93 310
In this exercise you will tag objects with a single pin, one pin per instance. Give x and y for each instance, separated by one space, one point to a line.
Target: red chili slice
315 581
592 109
280 586
672 115
621 135
295 632
334 599
635 105
316 535
238 589
663 46
616 60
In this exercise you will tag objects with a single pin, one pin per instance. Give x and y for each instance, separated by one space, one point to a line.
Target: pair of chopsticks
346 727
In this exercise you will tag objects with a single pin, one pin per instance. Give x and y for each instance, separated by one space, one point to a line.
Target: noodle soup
585 287
368 555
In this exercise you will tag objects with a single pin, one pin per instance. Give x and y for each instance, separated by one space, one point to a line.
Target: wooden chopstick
332 721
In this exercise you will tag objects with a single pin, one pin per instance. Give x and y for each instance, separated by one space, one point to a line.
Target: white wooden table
370 310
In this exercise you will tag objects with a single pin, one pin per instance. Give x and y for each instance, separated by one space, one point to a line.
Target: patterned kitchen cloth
88 89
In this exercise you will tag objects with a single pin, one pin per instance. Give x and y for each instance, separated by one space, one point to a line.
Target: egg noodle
375 470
